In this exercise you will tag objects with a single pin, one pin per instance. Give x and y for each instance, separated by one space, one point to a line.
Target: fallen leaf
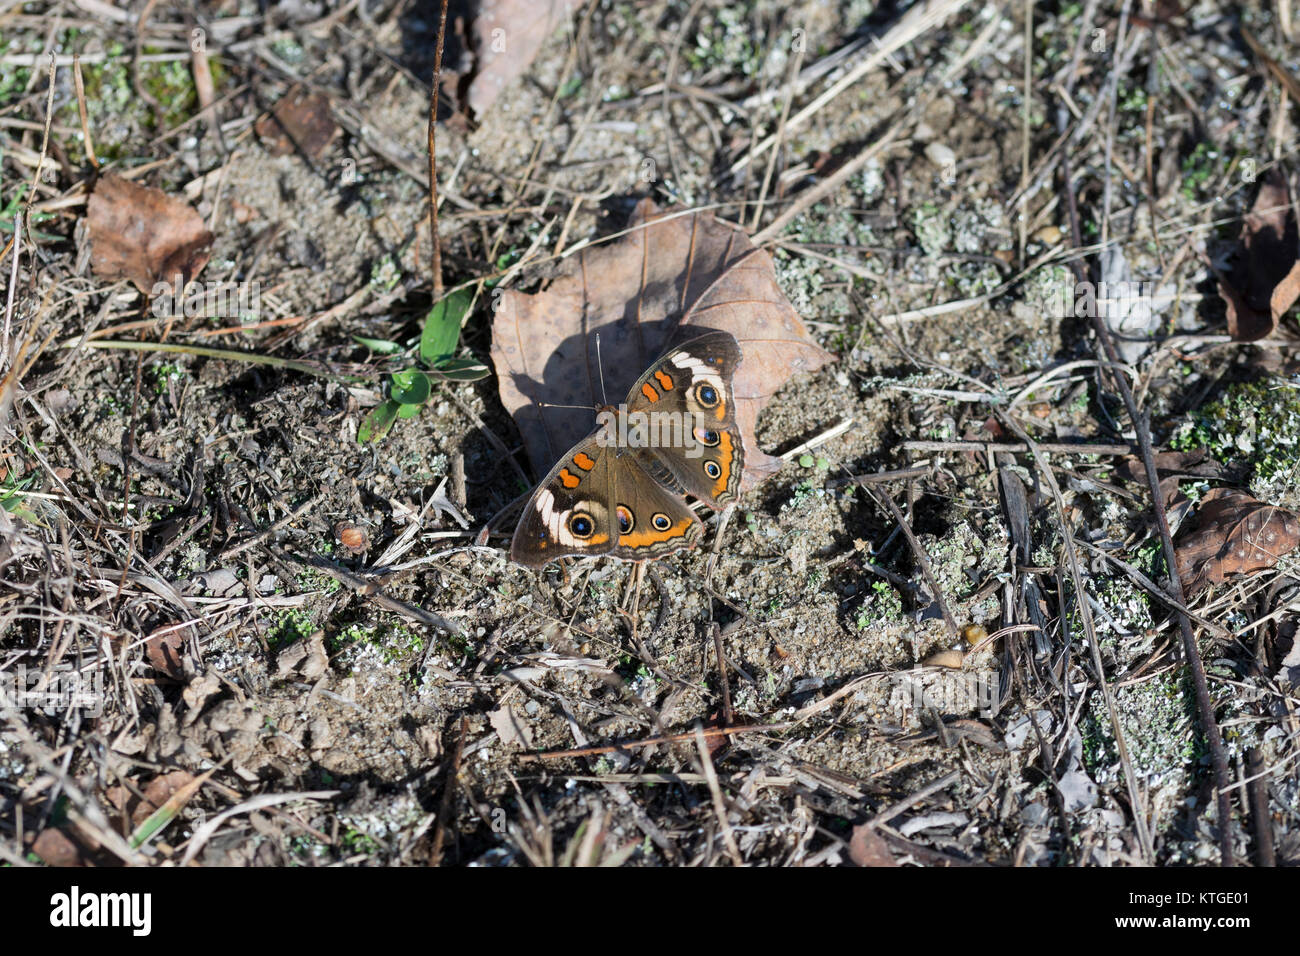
306 659
164 798
155 795
196 696
1266 280
163 648
142 234
1171 466
1236 533
868 848
301 122
506 36
672 273
510 727
56 848
158 791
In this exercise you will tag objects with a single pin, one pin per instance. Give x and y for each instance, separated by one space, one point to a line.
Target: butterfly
622 490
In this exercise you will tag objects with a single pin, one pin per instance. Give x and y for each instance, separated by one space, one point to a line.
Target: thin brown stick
719 804
722 674
1261 820
897 474
435 249
1141 426
453 771
923 560
1018 447
15 244
653 741
80 86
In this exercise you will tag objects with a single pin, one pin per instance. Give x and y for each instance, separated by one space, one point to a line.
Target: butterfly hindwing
652 519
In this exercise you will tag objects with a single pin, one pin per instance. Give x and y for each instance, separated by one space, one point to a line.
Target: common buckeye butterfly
622 490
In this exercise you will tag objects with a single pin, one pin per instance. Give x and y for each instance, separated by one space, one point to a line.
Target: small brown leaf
301 122
306 659
868 848
510 727
159 790
506 35
1266 280
674 271
1236 534
142 234
56 848
163 648
1170 467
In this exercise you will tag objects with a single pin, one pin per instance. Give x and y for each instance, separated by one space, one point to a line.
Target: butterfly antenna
600 368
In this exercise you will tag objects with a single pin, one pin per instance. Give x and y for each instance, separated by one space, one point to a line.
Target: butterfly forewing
692 383
569 512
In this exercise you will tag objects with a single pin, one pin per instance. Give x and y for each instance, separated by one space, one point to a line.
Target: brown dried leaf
640 294
868 848
163 648
1236 534
300 123
142 234
56 848
506 36
306 659
156 793
1171 466
1266 281
510 727
160 789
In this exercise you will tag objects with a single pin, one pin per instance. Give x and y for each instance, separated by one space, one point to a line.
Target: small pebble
941 155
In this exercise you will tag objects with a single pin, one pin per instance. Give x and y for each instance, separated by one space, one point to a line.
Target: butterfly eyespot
661 521
626 520
711 469
707 436
581 524
707 395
